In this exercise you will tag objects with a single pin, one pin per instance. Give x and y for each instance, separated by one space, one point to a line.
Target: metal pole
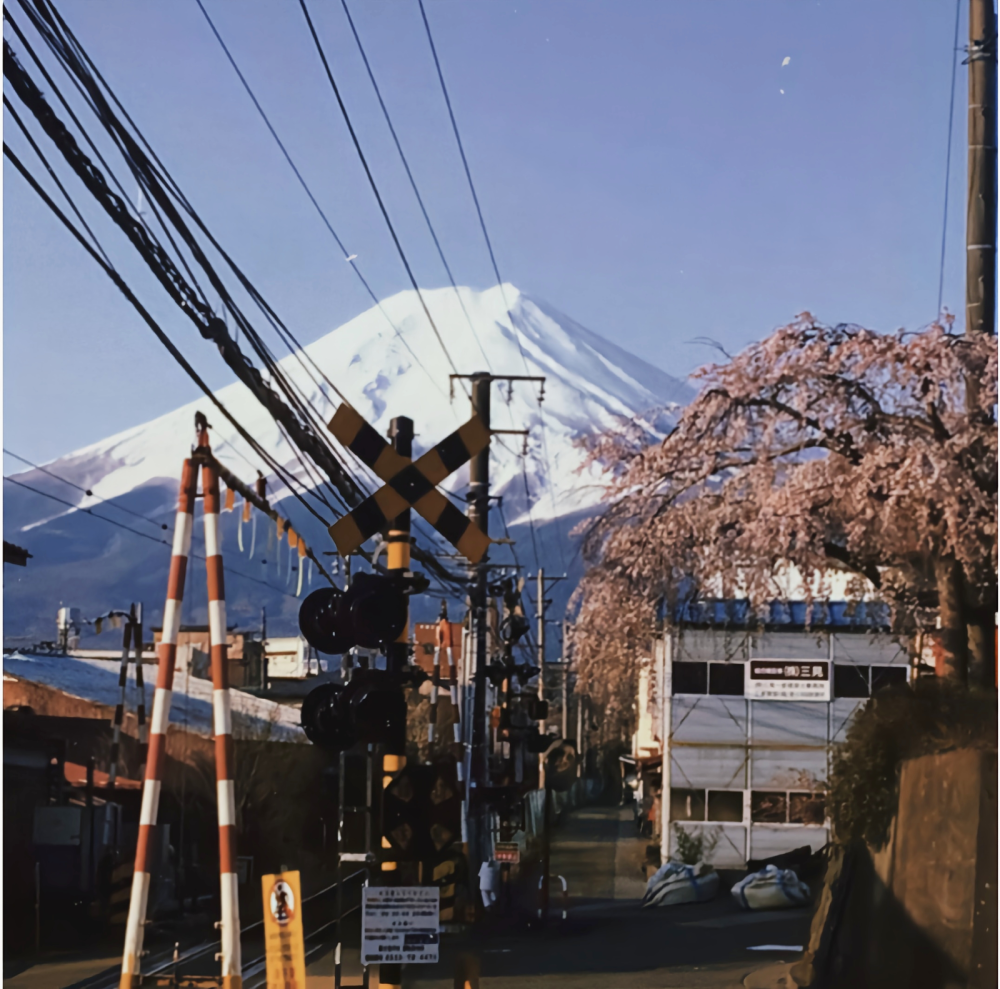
369 787
140 689
479 507
666 723
116 737
581 752
565 684
981 204
540 609
38 906
543 911
339 935
397 654
91 814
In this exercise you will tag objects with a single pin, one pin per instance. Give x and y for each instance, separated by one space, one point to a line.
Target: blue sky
638 166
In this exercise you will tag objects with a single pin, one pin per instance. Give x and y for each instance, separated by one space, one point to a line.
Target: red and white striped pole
232 977
167 659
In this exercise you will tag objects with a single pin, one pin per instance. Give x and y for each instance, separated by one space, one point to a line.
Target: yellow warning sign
286 956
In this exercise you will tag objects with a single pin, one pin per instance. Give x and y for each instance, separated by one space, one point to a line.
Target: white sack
771 889
676 882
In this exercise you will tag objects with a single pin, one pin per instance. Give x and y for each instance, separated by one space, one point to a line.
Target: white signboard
787 680
399 924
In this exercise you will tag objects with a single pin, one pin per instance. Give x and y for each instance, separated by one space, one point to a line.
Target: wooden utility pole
980 299
981 207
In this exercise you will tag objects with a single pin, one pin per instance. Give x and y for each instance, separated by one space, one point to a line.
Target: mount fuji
590 383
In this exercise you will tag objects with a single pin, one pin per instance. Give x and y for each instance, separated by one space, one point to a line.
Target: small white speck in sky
781 91
787 59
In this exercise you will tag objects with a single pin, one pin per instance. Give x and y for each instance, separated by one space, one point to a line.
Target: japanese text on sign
787 680
399 924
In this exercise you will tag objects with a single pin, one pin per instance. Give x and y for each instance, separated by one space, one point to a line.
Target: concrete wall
920 912
945 857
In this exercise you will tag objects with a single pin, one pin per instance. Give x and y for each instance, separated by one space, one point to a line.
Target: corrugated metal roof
736 612
97 681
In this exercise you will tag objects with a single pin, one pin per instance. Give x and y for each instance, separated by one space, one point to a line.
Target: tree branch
842 555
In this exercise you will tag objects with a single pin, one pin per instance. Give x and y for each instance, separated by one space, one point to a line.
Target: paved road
610 942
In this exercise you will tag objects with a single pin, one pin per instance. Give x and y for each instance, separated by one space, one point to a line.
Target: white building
754 712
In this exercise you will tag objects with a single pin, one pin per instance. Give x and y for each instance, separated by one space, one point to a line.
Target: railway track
319 914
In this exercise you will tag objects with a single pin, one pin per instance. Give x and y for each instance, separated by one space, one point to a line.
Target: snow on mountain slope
589 383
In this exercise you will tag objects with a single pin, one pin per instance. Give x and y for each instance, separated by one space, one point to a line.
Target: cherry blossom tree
818 449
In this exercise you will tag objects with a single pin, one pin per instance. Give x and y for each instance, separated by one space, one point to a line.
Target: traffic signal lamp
371 708
371 613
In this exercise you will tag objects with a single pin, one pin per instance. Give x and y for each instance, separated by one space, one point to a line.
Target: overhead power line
86 491
413 183
374 187
319 209
947 159
496 272
465 161
73 58
136 532
55 178
126 291
159 187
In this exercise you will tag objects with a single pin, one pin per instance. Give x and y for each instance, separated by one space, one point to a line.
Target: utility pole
540 611
565 682
981 208
980 269
540 607
478 512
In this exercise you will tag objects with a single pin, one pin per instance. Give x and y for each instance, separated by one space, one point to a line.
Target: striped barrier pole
166 660
232 976
435 686
444 637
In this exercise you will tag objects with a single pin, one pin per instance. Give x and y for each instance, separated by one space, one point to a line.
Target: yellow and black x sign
409 484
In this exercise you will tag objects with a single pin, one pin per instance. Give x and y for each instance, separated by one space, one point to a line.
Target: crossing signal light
323 718
422 813
371 708
371 613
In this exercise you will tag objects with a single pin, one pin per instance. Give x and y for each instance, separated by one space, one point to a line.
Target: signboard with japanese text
283 941
399 924
787 680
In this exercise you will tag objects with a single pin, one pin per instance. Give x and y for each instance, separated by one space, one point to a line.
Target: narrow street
609 941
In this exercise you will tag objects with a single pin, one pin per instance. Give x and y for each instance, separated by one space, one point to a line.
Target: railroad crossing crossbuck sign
409 484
